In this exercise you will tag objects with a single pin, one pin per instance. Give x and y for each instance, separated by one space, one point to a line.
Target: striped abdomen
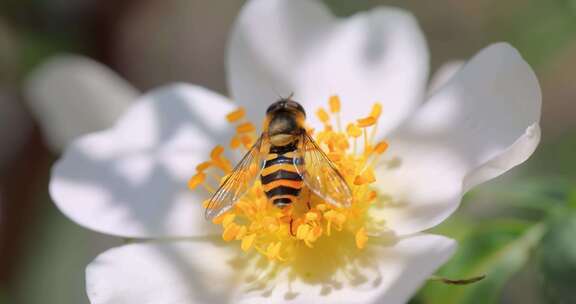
280 179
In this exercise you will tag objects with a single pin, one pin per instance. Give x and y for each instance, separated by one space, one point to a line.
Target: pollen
236 115
323 115
366 122
361 238
247 242
367 177
376 110
196 180
381 147
310 222
334 103
353 130
203 166
246 127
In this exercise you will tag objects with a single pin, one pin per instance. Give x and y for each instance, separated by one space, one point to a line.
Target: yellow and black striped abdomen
280 179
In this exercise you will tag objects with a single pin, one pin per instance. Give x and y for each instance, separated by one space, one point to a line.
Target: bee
286 159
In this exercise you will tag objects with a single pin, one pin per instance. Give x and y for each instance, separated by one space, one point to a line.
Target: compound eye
296 107
301 108
274 107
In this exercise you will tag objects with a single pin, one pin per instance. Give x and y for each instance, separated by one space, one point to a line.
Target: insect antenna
280 96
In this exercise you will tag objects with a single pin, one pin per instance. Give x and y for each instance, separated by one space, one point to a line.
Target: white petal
478 126
283 46
160 273
381 274
73 95
131 180
204 272
515 154
443 75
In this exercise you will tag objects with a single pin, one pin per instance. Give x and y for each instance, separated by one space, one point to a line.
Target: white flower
130 180
71 95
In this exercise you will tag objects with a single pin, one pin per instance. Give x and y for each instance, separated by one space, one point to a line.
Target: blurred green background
519 230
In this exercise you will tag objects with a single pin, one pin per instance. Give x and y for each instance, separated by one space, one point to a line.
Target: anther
230 232
203 166
247 141
216 152
366 122
312 216
334 103
366 177
376 110
247 242
196 180
235 142
245 127
323 116
236 115
380 147
361 238
353 131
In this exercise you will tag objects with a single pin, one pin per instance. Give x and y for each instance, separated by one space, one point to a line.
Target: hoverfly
286 159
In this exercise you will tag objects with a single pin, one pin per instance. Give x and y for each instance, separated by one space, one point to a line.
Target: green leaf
557 259
347 8
539 29
536 193
572 199
497 250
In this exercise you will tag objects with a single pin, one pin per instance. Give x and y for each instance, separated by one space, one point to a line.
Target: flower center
309 223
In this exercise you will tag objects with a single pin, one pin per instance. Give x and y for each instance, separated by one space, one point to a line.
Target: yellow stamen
376 110
248 242
235 142
312 216
334 156
310 222
366 142
216 152
245 127
323 116
228 219
361 238
381 147
203 166
273 251
334 104
367 177
303 231
236 115
230 232
353 130
247 141
366 122
196 180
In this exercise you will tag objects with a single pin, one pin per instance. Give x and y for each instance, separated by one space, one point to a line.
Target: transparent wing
237 183
321 175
